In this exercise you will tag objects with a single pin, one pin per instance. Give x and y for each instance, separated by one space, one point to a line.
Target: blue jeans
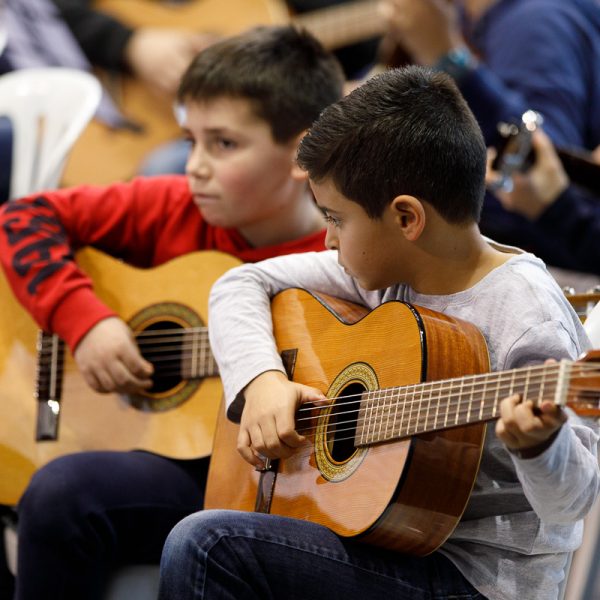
85 514
237 556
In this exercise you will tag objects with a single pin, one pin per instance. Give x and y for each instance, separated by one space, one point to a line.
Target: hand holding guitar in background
426 29
536 189
160 56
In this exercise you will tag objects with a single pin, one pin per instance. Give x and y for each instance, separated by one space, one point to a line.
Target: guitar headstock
584 389
514 149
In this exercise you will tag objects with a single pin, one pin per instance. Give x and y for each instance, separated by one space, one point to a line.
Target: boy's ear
410 216
298 173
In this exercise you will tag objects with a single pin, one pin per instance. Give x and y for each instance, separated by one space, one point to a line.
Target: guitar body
405 495
177 420
118 152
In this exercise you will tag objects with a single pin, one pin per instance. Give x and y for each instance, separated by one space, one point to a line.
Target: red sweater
145 222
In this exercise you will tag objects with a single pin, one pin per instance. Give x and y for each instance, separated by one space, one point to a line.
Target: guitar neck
339 26
580 168
395 413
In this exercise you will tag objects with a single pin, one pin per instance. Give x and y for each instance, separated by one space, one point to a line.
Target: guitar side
406 495
91 421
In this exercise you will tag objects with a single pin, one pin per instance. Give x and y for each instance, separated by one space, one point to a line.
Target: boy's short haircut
406 131
286 74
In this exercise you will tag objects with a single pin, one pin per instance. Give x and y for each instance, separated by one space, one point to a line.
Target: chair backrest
48 108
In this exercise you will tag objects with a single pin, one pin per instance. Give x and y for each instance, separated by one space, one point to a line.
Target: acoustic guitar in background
515 153
393 459
103 155
46 407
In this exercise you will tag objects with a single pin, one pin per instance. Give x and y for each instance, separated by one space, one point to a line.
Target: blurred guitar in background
103 155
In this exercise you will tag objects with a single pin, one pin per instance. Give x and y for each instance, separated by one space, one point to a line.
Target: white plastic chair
48 107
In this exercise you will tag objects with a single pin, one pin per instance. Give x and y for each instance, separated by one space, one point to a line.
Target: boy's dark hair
406 131
286 74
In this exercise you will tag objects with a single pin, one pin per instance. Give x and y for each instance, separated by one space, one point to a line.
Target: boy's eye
225 143
332 220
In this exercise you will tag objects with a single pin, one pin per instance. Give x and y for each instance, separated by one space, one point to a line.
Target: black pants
85 514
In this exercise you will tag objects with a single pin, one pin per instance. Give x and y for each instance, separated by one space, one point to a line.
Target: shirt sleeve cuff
77 314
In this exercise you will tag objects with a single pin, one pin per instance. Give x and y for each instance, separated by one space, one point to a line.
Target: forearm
240 319
38 239
38 262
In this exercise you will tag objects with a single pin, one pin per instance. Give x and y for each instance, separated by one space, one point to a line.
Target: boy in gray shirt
398 170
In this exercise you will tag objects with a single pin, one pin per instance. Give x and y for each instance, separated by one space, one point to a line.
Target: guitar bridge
50 365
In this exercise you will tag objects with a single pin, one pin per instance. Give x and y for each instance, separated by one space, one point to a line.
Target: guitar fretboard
395 413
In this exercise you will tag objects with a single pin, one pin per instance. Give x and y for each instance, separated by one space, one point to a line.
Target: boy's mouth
205 198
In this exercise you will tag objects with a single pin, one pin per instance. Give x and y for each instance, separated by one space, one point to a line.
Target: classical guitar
119 152
392 460
47 409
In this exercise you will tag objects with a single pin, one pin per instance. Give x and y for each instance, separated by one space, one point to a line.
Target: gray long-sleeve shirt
524 516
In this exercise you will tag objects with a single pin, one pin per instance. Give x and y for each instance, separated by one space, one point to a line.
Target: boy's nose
331 242
197 165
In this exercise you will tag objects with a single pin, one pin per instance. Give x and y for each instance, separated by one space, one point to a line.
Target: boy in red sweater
245 103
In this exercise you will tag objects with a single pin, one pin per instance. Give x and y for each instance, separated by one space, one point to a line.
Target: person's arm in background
158 56
543 195
38 238
527 58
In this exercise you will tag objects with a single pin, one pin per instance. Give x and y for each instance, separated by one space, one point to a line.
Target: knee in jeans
196 529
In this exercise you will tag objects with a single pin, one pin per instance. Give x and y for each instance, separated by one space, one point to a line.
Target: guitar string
471 396
476 397
392 437
208 357
414 425
489 378
172 366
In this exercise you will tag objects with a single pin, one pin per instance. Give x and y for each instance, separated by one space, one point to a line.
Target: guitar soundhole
164 351
341 428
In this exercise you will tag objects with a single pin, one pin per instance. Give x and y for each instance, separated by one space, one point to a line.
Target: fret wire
396 395
541 391
378 411
384 412
460 395
368 411
437 406
419 404
391 412
426 418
